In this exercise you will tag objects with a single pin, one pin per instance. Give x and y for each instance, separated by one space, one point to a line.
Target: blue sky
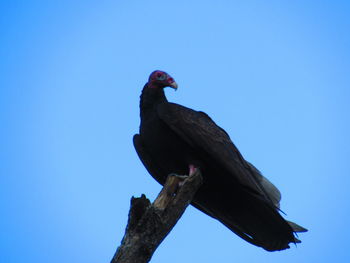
274 74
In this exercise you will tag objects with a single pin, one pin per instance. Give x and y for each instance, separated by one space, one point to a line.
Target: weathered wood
148 224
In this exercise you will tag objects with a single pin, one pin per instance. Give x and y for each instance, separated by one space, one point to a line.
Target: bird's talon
193 169
179 176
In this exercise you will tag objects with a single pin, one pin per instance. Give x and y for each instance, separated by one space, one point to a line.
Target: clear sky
274 74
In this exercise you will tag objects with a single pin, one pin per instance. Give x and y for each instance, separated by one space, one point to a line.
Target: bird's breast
170 152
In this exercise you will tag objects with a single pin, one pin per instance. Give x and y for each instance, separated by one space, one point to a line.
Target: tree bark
148 224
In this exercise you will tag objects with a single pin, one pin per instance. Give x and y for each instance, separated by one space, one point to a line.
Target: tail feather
296 228
256 221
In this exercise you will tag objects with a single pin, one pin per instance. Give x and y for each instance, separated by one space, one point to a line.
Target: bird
175 139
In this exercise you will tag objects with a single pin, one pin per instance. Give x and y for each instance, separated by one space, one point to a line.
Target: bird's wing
201 133
154 169
156 172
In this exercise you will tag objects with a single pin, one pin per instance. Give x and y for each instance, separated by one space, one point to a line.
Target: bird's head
161 79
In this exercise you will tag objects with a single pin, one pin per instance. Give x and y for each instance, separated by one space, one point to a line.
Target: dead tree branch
149 224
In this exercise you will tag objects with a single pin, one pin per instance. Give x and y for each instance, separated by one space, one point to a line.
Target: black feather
234 191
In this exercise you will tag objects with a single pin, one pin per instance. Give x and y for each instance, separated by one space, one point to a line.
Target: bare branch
149 224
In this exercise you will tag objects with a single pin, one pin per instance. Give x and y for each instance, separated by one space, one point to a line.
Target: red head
161 79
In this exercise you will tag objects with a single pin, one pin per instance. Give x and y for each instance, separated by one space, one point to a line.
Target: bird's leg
193 169
181 178
173 186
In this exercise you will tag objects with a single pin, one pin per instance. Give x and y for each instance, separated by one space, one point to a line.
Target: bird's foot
179 176
193 169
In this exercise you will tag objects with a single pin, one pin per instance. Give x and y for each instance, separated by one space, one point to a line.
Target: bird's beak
173 85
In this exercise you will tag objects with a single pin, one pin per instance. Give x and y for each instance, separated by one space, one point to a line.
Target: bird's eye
161 76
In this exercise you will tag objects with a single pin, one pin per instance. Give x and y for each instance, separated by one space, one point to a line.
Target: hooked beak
173 85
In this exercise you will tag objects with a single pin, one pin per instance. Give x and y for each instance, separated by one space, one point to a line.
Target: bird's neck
149 100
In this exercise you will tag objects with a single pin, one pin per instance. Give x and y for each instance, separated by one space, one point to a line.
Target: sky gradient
274 74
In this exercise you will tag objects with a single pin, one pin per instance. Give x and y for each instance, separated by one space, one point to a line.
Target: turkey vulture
176 139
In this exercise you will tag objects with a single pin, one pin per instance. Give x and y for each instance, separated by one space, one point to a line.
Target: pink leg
193 169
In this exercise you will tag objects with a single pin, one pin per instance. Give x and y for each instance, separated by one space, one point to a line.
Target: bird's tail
257 222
